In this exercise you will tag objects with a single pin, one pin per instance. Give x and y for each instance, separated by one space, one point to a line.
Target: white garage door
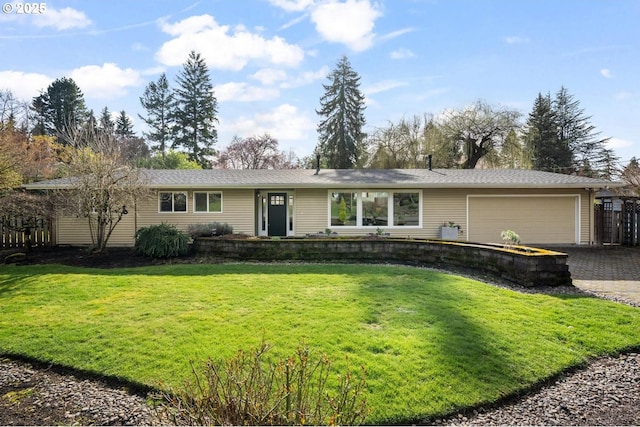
538 219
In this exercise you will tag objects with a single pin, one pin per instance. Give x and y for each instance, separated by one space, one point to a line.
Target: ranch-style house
543 208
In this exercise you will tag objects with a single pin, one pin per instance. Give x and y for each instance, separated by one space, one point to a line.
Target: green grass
432 342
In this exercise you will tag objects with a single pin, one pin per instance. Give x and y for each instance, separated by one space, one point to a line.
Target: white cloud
62 19
402 53
306 78
350 23
517 40
24 86
617 143
106 81
292 5
397 33
292 128
242 92
268 76
222 47
606 73
383 86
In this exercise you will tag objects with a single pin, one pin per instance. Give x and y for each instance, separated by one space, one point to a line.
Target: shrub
209 230
510 238
161 241
246 390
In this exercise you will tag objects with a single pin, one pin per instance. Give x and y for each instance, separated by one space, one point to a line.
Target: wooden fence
16 232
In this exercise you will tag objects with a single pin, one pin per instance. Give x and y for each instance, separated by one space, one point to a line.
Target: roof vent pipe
429 161
317 164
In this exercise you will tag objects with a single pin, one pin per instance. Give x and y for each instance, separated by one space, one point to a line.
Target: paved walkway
612 271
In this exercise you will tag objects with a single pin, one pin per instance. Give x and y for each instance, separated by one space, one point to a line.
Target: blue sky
269 58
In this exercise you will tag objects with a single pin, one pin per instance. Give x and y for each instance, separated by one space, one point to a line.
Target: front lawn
431 342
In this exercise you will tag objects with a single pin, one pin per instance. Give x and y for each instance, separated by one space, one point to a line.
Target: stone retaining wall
525 266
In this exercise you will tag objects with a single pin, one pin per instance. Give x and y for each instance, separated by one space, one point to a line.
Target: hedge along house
543 208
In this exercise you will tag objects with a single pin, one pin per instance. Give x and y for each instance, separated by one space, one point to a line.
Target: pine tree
157 101
195 111
61 110
606 164
105 122
548 152
341 139
575 131
124 126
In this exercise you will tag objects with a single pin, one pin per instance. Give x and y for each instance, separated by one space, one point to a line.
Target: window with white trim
344 208
375 208
210 201
172 202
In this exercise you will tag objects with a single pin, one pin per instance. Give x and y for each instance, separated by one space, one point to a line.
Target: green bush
246 390
510 238
209 230
161 241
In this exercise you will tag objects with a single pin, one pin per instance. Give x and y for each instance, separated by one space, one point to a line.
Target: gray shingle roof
356 178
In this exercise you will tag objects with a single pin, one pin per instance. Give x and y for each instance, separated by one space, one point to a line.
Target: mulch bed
81 257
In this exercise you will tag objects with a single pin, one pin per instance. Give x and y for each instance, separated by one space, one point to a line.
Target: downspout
591 216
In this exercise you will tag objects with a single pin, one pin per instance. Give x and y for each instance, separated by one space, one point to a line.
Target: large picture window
375 208
344 207
173 202
406 209
208 202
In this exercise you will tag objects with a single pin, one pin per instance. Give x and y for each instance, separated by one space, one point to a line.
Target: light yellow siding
238 209
75 231
311 211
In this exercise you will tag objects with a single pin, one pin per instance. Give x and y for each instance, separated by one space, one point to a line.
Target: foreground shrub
247 390
161 241
209 230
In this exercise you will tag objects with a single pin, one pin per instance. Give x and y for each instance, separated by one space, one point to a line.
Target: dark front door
277 214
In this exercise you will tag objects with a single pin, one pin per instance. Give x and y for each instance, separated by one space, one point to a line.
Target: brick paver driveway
607 270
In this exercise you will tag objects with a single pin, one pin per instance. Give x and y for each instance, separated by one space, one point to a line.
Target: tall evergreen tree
124 126
606 164
542 139
341 139
575 131
157 100
61 110
105 122
195 111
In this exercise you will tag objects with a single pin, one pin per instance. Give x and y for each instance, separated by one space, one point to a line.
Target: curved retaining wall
533 268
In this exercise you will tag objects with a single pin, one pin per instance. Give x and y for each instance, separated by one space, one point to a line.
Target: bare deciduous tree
631 175
102 185
479 130
255 153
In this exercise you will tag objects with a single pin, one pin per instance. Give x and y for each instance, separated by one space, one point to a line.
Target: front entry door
277 214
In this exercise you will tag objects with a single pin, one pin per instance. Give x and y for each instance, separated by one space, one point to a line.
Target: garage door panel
536 219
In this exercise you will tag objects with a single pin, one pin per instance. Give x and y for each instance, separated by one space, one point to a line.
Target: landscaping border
525 266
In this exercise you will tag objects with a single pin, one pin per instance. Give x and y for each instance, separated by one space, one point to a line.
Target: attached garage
545 219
